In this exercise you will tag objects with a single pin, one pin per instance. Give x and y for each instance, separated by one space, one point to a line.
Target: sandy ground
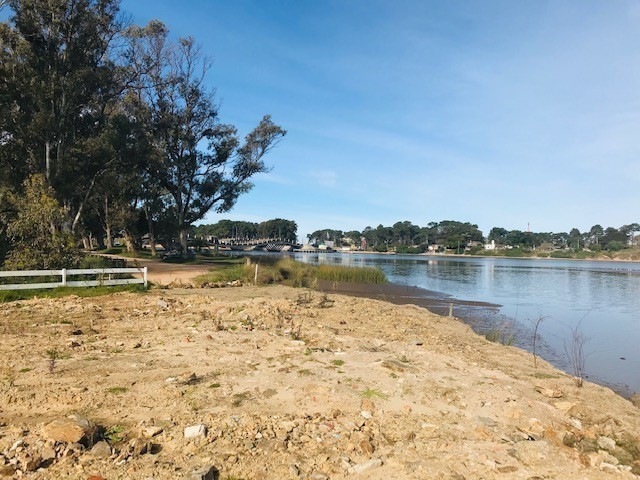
280 383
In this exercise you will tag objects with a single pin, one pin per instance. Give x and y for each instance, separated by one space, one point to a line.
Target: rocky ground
285 383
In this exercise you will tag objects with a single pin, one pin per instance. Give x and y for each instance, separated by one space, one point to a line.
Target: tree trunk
152 234
86 242
107 223
100 242
130 241
184 247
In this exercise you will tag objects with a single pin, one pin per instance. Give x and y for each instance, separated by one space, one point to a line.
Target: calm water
602 297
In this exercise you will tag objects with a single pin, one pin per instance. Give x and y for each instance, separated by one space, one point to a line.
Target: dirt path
163 273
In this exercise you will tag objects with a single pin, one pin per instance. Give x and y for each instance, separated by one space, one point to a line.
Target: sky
498 113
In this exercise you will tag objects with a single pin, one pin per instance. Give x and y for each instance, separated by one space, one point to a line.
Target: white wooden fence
103 277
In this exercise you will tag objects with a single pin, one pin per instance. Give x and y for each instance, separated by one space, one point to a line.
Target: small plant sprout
536 336
574 348
53 356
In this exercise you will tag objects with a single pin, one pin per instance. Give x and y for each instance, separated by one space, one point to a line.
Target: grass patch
25 370
117 390
113 434
14 295
371 393
337 363
214 385
292 273
305 373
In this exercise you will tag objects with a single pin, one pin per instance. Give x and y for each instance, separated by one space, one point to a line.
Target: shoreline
472 313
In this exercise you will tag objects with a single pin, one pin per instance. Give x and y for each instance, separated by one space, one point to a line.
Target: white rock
361 467
366 414
194 431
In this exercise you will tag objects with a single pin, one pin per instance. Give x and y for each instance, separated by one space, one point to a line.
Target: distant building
490 246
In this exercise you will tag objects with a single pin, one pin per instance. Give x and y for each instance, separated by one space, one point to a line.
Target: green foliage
372 393
13 295
36 233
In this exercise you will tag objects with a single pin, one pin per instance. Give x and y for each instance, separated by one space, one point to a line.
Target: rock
195 431
532 453
29 463
361 467
204 473
549 392
366 414
101 449
366 447
138 446
71 430
569 439
564 407
635 399
487 422
162 304
48 453
150 432
417 342
368 405
606 443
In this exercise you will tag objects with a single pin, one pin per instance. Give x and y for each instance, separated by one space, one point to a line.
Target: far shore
462 255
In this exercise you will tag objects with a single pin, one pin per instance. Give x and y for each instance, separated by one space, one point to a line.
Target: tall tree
203 166
58 79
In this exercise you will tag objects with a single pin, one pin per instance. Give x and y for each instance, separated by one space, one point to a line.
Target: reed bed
290 272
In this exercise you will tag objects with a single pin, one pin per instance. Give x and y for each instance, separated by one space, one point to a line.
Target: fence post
144 272
64 277
255 277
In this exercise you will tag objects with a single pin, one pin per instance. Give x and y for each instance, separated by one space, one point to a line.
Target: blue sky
499 113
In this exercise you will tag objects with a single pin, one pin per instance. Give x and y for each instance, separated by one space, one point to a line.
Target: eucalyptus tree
202 163
58 81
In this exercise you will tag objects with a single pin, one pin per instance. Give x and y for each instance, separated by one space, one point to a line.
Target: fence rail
64 273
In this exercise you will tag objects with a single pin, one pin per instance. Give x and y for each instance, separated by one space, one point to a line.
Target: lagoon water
601 299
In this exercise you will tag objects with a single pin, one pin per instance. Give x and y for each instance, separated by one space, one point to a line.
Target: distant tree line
107 128
286 230
453 235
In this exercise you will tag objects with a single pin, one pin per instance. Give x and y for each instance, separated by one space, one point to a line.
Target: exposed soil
287 383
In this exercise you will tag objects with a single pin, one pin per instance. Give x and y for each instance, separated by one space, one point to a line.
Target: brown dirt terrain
287 383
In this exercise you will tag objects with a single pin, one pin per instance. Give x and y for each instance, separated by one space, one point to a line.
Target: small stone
367 405
569 439
101 449
294 470
72 429
366 447
195 431
48 453
204 473
606 443
549 392
417 342
162 304
366 414
361 467
152 431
